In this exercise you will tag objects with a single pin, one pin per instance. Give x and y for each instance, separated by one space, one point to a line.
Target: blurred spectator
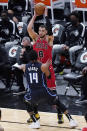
85 37
83 97
1 8
16 8
5 69
8 28
26 48
22 29
72 40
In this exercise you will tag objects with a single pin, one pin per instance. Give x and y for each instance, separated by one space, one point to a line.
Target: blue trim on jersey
28 93
46 86
26 96
28 88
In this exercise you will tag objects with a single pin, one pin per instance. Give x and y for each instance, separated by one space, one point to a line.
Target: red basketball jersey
44 51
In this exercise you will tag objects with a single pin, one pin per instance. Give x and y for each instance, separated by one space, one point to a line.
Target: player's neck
43 38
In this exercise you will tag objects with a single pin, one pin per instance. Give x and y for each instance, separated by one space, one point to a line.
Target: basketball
39 8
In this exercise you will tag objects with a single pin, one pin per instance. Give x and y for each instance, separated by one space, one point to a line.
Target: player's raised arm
30 29
49 28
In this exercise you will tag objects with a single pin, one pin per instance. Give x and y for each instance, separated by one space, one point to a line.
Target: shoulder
40 64
50 40
82 25
68 25
11 21
27 64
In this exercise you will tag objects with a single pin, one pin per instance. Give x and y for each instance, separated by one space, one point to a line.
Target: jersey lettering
41 46
40 54
33 77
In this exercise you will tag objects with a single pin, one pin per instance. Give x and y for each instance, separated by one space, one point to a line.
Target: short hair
26 38
75 13
86 116
33 55
4 11
43 26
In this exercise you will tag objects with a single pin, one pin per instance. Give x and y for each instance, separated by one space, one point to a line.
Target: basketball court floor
15 120
14 115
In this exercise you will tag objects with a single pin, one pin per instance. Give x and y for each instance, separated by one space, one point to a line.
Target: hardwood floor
15 120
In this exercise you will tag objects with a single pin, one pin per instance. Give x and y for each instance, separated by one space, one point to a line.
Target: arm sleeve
48 26
63 37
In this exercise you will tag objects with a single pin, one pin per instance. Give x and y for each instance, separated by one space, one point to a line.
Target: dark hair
43 26
75 13
86 116
33 55
4 11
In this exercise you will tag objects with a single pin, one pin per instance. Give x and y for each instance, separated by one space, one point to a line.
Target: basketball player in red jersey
42 44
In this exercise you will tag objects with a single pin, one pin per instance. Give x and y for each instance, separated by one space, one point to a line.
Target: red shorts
51 82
